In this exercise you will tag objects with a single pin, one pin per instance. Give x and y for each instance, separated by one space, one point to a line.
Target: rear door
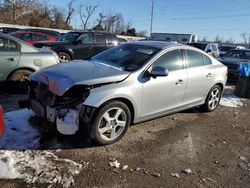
9 56
200 76
84 48
100 42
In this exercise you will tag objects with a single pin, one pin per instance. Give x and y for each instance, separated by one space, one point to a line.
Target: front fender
99 96
65 50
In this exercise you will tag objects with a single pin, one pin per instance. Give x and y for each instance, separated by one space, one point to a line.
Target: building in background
174 37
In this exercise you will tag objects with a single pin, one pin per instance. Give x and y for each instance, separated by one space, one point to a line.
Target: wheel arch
125 101
19 68
67 51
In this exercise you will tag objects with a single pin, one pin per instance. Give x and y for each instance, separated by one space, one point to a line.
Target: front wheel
64 57
213 99
110 123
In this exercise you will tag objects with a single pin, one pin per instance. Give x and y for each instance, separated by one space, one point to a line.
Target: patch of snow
38 167
231 101
18 133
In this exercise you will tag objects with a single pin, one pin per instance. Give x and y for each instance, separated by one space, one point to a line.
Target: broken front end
67 111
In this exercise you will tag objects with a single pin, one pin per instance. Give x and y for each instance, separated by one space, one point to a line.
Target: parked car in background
7 30
225 48
210 48
52 33
80 45
232 60
18 59
127 84
32 37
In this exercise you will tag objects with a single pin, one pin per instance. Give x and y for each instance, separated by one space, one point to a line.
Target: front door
163 94
9 57
84 48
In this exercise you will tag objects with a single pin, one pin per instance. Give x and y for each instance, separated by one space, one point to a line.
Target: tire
64 57
20 75
213 99
105 128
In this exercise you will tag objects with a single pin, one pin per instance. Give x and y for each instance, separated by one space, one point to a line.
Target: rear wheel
111 123
64 57
20 75
213 99
17 80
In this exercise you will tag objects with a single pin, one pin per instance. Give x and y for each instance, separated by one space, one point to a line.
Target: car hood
63 76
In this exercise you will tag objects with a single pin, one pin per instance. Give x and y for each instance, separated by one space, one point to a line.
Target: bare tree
229 41
70 11
86 11
18 8
218 39
245 37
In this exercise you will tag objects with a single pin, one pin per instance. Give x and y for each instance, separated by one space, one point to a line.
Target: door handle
209 75
179 82
11 59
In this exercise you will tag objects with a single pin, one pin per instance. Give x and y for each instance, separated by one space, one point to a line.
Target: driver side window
86 38
170 60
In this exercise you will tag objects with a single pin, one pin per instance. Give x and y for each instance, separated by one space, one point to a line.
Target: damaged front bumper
67 120
68 115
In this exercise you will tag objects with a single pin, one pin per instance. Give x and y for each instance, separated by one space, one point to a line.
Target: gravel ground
187 149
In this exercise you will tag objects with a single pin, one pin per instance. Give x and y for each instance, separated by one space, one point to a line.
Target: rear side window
37 37
195 59
171 60
25 37
7 45
214 48
207 60
100 38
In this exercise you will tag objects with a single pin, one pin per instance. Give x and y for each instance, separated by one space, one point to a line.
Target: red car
1 121
32 37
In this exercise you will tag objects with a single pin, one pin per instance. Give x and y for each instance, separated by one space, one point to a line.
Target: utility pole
152 14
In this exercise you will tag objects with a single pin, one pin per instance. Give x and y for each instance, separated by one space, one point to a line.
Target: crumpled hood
63 76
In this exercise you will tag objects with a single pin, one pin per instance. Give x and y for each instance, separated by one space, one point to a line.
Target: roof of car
158 44
202 43
32 32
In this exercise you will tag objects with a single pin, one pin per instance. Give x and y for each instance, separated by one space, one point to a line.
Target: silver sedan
128 84
18 60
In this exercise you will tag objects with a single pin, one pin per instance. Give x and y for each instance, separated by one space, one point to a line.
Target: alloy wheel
112 124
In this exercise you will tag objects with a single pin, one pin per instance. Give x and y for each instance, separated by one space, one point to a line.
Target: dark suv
80 45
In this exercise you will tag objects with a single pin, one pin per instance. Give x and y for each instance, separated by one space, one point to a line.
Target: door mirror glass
159 71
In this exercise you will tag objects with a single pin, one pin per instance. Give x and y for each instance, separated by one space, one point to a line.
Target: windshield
198 45
70 37
128 57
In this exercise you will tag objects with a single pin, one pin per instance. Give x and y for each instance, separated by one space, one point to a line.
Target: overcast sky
226 18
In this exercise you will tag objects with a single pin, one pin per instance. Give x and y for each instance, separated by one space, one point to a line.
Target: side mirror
209 51
159 71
